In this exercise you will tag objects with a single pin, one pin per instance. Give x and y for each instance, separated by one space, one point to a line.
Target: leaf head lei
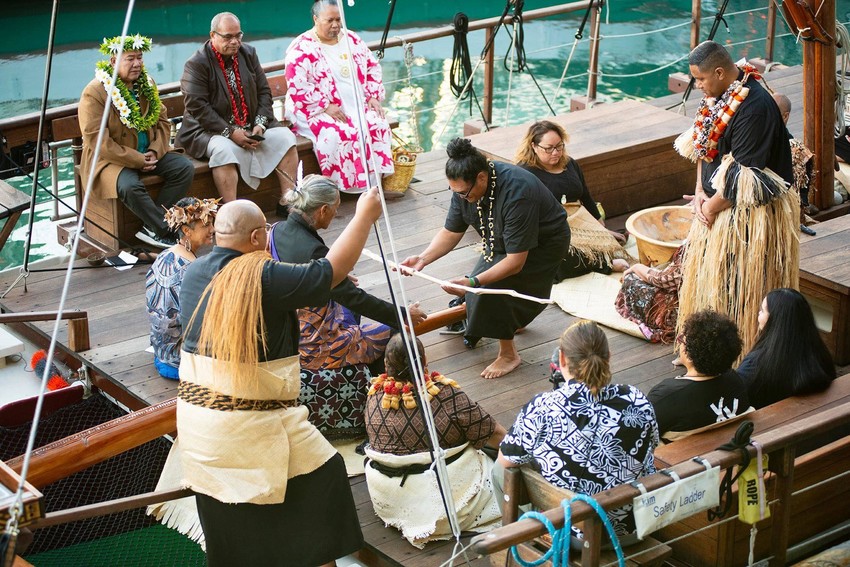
110 46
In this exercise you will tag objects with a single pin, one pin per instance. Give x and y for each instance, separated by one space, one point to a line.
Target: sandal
144 255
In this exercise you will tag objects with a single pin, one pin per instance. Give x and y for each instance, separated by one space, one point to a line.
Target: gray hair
313 192
218 17
710 55
319 5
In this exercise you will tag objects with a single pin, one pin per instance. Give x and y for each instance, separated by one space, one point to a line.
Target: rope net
129 538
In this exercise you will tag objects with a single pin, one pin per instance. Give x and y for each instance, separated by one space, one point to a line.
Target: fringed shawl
591 239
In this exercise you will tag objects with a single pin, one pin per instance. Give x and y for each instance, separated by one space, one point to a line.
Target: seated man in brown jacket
137 139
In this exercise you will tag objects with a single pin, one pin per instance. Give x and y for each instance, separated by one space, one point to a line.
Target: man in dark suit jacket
228 116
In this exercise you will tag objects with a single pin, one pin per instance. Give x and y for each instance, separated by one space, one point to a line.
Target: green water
634 61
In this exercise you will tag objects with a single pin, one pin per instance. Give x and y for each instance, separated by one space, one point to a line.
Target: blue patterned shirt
587 443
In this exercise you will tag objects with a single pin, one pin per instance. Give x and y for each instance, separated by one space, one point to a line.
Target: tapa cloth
417 507
254 165
247 456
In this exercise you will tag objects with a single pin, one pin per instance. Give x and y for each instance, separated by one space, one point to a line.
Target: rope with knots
559 553
516 53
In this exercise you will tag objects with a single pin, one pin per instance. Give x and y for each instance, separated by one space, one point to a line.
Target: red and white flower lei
713 115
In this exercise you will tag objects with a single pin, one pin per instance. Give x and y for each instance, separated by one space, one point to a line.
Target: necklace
334 55
323 42
127 105
713 117
487 238
396 390
238 119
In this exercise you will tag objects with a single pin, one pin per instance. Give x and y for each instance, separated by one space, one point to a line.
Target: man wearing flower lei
228 117
137 139
746 240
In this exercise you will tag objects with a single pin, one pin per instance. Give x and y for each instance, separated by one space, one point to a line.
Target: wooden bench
825 281
107 219
12 204
522 486
625 151
814 511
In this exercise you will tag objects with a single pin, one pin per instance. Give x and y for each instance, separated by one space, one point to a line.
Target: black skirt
499 316
316 524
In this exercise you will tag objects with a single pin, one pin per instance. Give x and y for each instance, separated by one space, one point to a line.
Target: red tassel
37 357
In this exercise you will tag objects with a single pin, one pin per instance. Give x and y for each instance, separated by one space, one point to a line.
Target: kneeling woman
403 495
334 345
524 236
588 435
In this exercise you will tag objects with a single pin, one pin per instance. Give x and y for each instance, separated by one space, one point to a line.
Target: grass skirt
752 248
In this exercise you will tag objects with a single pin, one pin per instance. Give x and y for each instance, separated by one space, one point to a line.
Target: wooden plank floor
119 333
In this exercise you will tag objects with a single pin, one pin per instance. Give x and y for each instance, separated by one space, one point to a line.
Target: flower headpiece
131 43
203 210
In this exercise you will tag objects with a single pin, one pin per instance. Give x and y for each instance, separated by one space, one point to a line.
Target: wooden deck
119 334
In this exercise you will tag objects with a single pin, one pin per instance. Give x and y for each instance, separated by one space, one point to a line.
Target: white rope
739 12
649 72
16 509
474 290
650 32
412 352
457 553
564 72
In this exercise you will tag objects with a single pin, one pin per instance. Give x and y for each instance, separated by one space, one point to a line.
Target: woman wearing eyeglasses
592 247
524 236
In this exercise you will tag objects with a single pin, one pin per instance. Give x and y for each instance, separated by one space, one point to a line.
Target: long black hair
789 355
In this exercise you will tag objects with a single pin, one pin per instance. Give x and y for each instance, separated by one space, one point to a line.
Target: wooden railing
23 128
780 443
78 324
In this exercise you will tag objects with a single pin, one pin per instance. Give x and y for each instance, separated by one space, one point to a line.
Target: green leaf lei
124 101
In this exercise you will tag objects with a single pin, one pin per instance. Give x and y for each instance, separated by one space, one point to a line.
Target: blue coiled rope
559 553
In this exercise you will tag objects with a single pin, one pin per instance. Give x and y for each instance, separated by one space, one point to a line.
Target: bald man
270 489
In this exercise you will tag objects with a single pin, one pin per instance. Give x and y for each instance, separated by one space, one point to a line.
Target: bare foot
501 366
619 265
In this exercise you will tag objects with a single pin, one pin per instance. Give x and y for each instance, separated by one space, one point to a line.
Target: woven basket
404 160
405 166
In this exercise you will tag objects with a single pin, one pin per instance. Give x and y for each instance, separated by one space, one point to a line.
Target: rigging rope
379 53
843 80
460 72
16 508
559 553
516 49
437 453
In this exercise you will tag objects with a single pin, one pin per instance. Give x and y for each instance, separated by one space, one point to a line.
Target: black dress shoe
282 211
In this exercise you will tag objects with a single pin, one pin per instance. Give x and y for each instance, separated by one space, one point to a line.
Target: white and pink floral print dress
317 76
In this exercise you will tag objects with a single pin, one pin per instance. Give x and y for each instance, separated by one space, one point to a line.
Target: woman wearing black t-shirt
542 153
